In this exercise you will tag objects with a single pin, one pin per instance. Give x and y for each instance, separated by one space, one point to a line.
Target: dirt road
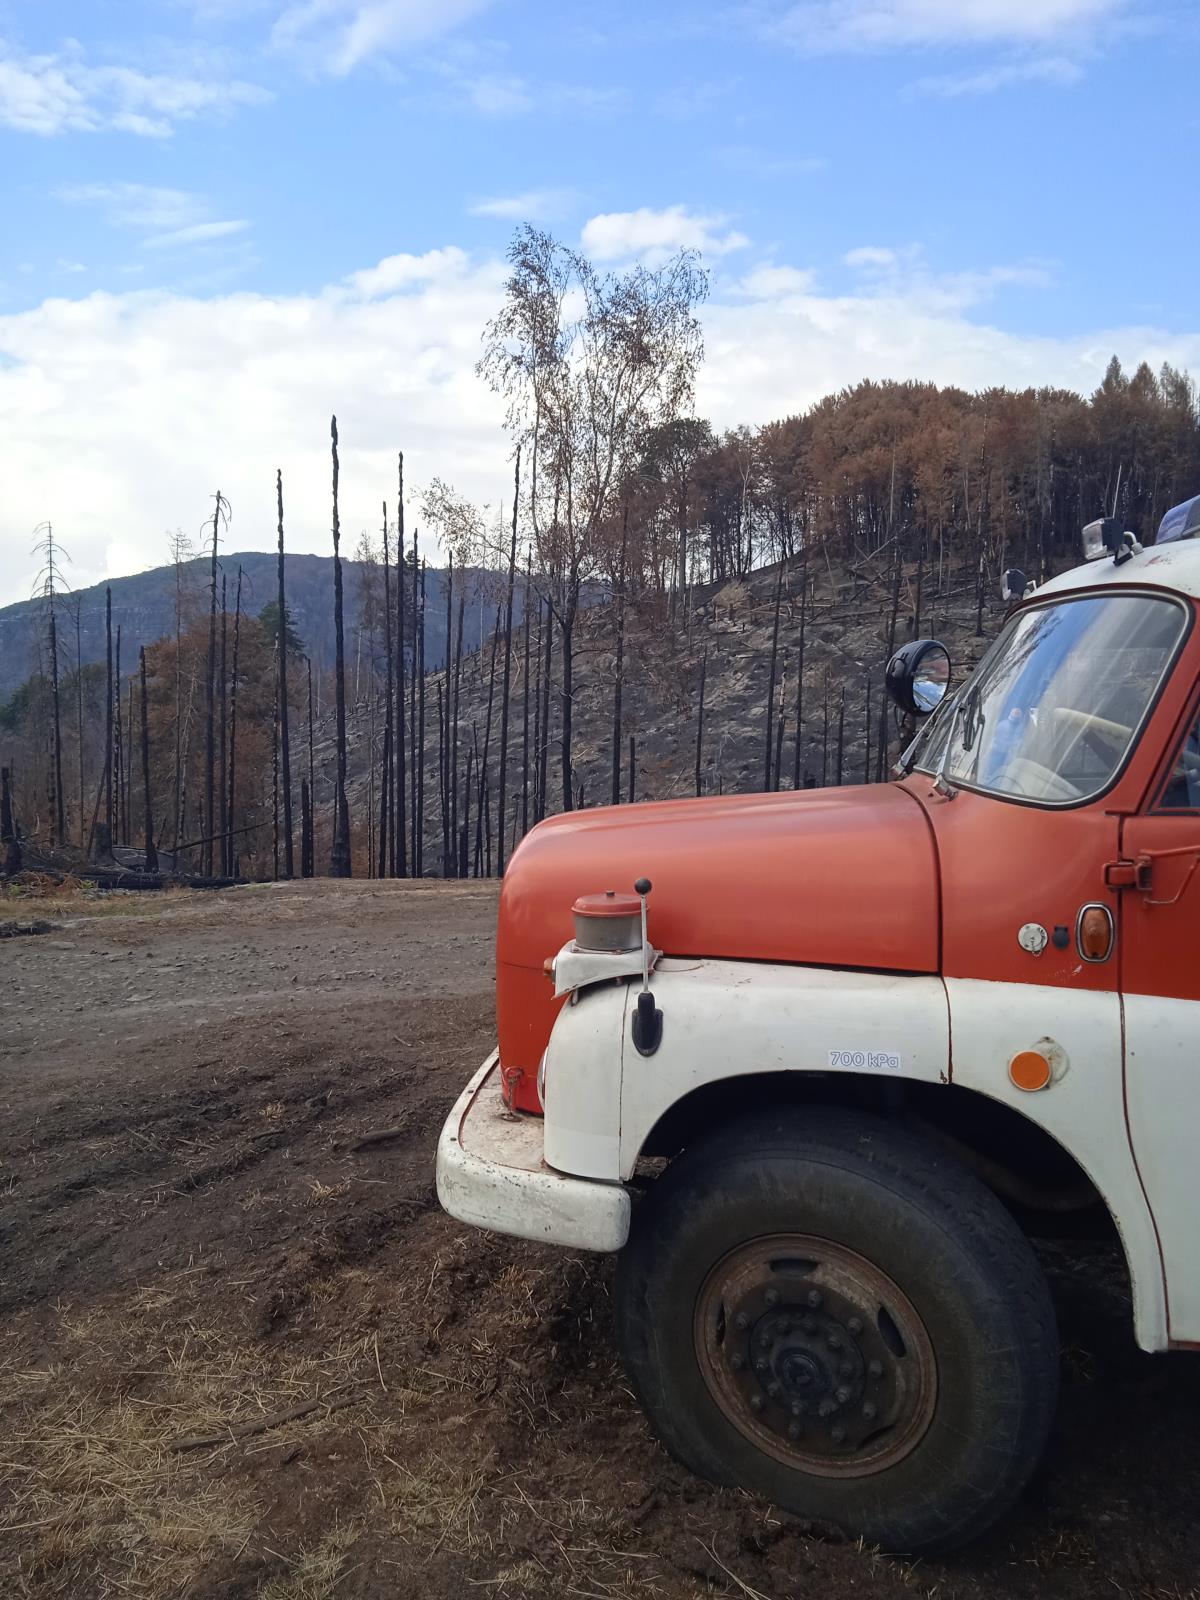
244 1356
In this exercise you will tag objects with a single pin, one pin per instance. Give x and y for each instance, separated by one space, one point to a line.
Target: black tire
893 1209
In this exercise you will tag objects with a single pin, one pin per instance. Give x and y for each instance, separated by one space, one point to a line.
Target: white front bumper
490 1173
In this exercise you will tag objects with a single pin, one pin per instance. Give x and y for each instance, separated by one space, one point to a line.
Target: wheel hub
815 1354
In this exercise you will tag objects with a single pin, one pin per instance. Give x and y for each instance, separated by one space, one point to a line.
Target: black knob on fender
642 886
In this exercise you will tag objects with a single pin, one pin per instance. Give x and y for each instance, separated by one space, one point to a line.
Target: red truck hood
825 877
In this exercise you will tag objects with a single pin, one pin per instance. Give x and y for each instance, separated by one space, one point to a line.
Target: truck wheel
820 1307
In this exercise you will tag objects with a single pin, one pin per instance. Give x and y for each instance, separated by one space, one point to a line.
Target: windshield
1052 711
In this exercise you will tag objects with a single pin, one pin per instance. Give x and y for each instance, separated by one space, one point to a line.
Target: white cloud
170 218
51 94
1058 71
156 398
395 273
337 35
197 233
535 205
776 283
655 235
870 255
822 25
138 205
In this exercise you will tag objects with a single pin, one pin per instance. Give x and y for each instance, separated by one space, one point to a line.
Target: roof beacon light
1181 522
1105 536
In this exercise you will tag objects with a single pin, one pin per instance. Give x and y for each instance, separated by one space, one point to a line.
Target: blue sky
228 217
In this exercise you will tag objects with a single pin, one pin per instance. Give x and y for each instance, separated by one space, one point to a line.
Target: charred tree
416 773
339 852
400 810
632 769
306 830
285 743
619 657
419 841
10 836
387 838
233 688
768 751
544 752
506 683
220 511
147 807
700 717
525 708
799 750
222 745
312 781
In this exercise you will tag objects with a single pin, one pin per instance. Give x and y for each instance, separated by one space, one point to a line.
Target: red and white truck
819 1085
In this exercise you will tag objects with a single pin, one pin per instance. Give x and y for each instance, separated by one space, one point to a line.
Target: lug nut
846 1370
813 1298
756 1402
793 1431
855 1326
773 1390
875 1368
762 1364
826 1408
741 1321
834 1342
841 1395
798 1408
772 1297
869 1411
737 1361
838 1435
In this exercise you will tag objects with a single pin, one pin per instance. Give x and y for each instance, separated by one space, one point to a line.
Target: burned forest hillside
710 699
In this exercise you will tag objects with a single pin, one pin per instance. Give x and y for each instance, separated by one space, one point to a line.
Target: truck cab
818 1076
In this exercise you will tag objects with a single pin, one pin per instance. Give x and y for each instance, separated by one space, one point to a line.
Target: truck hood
827 877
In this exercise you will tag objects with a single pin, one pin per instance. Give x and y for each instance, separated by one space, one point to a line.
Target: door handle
1139 873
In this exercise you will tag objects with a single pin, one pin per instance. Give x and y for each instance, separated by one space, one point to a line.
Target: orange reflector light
1029 1070
1095 933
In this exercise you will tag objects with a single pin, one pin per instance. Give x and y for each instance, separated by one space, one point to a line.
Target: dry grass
38 895
96 1499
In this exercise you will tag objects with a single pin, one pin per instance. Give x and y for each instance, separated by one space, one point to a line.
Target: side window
1181 792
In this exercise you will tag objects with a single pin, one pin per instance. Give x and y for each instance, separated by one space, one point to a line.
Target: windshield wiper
941 785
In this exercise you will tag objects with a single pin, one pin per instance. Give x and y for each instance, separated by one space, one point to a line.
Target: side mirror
918 676
1014 585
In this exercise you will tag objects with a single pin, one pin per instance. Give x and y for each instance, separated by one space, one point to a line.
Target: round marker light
1029 1070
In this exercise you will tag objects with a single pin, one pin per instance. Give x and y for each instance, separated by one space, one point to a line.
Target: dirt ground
193 1245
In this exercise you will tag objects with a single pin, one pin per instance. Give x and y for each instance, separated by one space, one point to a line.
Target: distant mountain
143 606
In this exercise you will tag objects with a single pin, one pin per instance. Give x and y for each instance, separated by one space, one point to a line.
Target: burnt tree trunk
387 838
544 753
147 808
419 843
771 680
799 751
306 830
222 746
400 817
700 718
312 784
506 684
209 703
233 688
525 708
285 743
10 837
339 852
619 661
